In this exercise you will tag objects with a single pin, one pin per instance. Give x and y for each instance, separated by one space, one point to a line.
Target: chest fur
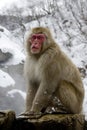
34 72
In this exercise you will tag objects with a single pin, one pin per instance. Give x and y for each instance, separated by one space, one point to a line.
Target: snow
6 80
9 3
7 45
85 99
12 92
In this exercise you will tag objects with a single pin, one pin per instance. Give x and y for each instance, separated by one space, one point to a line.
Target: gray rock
1 30
4 57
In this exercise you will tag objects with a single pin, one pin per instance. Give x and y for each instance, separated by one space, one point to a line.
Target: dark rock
4 57
8 121
1 30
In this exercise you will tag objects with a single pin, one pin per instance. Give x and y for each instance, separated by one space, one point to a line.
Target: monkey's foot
58 110
30 115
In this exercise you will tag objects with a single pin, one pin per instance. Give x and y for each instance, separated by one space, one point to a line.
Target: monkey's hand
30 115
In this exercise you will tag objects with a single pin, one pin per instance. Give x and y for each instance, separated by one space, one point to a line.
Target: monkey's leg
69 97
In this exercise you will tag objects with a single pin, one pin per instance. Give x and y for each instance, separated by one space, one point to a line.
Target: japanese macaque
50 73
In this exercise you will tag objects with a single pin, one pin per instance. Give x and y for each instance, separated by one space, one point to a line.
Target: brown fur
50 73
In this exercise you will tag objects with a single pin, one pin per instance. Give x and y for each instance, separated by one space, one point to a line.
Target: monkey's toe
30 115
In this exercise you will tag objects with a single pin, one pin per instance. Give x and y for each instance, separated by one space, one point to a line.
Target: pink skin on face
36 42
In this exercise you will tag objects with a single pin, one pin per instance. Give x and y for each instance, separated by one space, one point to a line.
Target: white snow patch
12 92
6 80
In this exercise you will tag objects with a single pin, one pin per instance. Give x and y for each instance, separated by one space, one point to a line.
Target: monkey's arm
31 91
43 97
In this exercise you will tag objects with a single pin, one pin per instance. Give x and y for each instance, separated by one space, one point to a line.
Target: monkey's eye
33 37
38 37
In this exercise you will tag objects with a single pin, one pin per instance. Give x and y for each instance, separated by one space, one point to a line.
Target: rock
8 121
4 57
59 122
1 30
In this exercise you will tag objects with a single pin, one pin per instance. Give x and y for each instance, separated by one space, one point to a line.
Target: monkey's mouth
34 49
35 46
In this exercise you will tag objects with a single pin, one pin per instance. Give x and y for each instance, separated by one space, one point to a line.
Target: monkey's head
39 40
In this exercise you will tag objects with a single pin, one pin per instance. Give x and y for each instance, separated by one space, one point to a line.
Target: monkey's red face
37 41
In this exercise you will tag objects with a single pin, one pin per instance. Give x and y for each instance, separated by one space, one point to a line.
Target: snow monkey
49 73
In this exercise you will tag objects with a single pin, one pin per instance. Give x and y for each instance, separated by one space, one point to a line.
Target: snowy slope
6 80
10 81
7 45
